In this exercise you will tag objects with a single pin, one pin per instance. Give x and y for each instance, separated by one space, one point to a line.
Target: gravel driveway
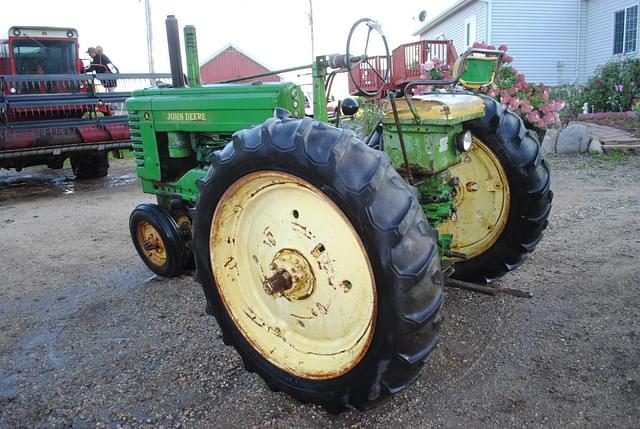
88 338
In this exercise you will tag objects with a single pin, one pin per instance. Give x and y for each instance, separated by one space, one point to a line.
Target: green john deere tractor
323 257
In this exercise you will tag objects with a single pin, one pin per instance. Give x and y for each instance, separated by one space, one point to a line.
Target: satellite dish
422 16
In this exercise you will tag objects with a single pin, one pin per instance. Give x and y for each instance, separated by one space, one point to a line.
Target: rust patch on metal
303 229
318 250
322 309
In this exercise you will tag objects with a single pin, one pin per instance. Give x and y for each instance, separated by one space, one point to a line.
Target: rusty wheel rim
150 241
293 275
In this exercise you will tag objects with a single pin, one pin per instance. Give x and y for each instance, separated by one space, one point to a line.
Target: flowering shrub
533 102
615 87
435 69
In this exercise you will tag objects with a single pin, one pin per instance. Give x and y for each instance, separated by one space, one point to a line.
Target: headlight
294 94
463 141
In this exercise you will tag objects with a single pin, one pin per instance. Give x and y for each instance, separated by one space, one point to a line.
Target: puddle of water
44 183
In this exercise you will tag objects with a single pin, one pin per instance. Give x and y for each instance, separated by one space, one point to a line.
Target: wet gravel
89 338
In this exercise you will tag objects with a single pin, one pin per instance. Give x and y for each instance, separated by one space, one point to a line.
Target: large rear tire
504 197
318 264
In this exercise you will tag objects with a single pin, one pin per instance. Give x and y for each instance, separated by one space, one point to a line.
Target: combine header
50 110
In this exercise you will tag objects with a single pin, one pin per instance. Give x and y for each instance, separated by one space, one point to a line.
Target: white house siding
541 36
453 26
598 42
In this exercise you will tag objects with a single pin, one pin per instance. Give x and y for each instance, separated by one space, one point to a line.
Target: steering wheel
352 62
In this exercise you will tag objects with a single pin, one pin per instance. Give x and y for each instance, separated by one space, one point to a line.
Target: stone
549 142
574 139
595 146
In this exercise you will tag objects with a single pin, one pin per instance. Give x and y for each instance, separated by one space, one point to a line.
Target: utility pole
313 55
147 16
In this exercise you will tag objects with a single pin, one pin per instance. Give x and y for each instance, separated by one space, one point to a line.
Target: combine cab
51 111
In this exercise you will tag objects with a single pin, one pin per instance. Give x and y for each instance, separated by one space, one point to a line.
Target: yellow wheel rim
151 243
482 202
272 229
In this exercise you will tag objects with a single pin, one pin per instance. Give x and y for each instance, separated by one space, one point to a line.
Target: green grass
615 156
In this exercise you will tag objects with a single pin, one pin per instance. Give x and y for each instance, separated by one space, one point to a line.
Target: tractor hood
438 109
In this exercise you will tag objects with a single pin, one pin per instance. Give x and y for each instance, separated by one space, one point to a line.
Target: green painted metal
478 71
179 145
191 50
319 74
437 194
430 148
173 130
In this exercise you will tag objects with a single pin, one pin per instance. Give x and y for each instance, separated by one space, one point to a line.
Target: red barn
231 62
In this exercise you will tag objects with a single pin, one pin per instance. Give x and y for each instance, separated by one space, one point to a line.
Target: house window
625 32
469 31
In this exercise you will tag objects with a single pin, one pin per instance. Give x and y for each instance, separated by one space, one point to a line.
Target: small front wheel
158 240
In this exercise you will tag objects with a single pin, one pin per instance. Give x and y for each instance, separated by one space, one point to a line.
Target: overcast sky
276 33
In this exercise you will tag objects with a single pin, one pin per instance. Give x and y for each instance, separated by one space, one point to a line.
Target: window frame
470 26
627 44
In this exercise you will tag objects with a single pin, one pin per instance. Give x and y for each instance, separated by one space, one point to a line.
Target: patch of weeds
615 156
581 166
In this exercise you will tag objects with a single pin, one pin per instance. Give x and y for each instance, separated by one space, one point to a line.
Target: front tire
507 170
359 318
158 240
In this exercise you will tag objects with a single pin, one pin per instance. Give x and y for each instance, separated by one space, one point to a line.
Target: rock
549 142
574 139
595 146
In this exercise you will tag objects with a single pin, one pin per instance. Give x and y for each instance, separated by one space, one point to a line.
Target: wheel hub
151 242
293 277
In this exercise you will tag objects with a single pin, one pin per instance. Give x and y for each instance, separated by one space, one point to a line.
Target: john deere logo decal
186 116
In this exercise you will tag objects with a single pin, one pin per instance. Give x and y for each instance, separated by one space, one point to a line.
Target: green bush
615 87
574 97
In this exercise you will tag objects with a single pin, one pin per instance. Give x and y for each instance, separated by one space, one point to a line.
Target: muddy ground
89 338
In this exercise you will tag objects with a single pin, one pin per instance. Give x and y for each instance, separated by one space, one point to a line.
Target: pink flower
507 59
436 61
503 48
520 78
619 88
533 117
514 103
493 48
526 107
505 99
558 105
427 67
479 45
504 94
549 118
545 95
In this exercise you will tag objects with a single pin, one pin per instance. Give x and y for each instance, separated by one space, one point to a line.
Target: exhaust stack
175 58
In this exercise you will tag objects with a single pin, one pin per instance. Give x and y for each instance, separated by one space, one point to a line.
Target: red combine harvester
405 65
50 110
